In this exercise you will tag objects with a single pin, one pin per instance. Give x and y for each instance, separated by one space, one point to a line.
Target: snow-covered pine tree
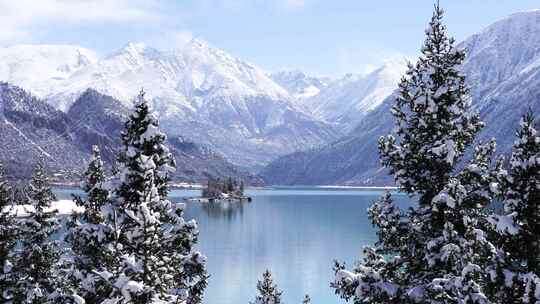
91 237
516 269
38 255
154 242
432 253
8 239
433 119
268 292
307 300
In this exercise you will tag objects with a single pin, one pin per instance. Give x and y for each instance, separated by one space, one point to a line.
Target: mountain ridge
346 101
31 129
197 88
504 84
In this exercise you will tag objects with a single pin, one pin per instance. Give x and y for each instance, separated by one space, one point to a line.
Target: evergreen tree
37 276
432 253
153 241
230 185
268 292
8 238
516 269
241 189
433 120
91 237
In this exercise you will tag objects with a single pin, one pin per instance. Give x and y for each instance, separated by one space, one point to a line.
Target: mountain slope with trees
197 87
31 129
502 62
450 247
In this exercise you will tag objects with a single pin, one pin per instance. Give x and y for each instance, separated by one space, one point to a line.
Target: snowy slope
300 85
42 68
198 91
181 76
502 51
503 71
346 101
106 116
63 207
503 67
30 129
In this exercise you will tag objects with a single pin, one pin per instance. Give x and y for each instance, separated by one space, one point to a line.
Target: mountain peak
391 69
292 73
138 46
521 23
502 50
197 42
198 48
136 50
90 92
396 61
530 12
299 84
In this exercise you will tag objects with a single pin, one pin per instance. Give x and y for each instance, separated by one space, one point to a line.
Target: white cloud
22 18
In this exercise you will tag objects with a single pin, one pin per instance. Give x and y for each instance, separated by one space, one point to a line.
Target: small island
224 190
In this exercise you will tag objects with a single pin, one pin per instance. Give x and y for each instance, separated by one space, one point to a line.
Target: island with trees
228 190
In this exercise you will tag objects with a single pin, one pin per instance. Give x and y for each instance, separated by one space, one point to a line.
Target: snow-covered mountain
503 51
346 101
503 67
503 72
213 97
180 79
106 115
42 68
30 129
300 85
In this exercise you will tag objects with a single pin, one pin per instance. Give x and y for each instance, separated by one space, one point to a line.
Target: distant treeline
215 188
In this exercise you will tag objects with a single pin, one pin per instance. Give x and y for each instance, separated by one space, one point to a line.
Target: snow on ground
186 185
63 206
357 187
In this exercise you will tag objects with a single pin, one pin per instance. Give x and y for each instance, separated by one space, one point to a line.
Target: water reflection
224 210
296 233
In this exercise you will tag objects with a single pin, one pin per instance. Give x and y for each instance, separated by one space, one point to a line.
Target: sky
320 37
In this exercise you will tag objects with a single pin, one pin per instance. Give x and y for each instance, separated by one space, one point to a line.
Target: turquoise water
294 232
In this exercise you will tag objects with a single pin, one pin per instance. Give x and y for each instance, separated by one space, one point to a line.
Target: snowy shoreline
176 186
64 207
358 187
67 206
196 186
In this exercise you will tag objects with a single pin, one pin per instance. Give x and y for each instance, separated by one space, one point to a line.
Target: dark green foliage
37 278
141 136
267 291
153 241
433 120
516 268
8 238
216 188
432 253
90 237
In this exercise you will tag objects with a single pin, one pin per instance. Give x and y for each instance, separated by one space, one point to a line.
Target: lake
295 232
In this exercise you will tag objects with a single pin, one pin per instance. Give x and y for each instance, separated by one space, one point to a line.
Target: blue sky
318 36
